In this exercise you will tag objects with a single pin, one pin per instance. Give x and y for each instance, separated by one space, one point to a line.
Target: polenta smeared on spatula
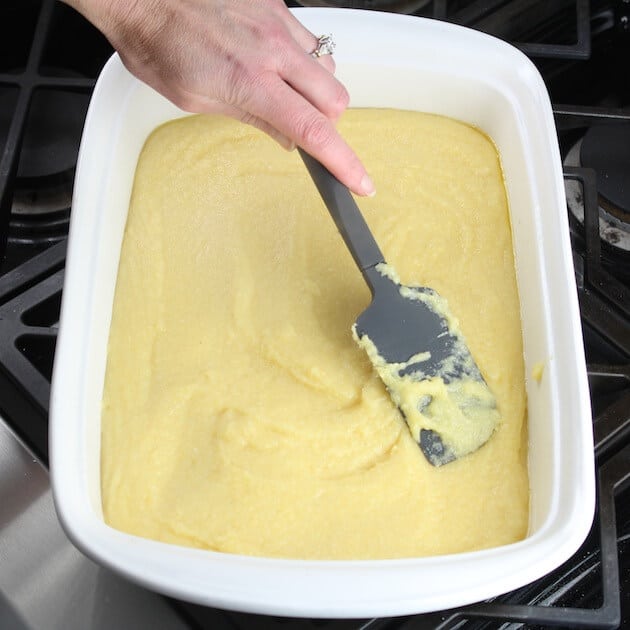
447 404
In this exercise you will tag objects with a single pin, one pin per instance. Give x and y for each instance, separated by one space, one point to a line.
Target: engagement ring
325 46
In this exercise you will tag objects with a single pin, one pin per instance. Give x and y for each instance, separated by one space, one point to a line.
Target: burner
606 150
397 6
52 134
42 190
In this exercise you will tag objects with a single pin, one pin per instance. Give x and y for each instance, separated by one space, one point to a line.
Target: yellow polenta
239 414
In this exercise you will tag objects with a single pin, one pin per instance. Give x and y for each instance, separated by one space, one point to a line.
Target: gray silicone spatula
413 342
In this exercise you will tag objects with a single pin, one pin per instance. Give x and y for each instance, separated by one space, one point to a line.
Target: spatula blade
416 347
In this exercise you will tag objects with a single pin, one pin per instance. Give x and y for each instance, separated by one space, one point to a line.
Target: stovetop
49 60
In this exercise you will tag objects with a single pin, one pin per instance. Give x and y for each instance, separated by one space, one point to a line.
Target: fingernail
367 186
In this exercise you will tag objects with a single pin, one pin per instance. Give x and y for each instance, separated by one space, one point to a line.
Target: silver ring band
325 46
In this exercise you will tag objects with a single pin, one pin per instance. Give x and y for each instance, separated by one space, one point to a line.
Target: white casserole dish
384 60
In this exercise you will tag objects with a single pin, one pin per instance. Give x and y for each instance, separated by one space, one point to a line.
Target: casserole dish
419 65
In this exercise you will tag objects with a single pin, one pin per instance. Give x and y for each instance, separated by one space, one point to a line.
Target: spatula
414 342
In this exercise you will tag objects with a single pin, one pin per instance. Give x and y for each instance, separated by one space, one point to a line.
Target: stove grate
32 82
30 297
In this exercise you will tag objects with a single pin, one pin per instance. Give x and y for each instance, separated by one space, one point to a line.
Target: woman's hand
247 59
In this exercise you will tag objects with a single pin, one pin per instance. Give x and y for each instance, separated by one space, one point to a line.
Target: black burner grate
30 298
45 84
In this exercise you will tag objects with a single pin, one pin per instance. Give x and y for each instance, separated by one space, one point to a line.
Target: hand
243 58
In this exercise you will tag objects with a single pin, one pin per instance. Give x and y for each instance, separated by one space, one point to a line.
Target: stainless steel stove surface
49 60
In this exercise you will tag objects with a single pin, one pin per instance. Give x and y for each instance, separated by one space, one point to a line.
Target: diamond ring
325 46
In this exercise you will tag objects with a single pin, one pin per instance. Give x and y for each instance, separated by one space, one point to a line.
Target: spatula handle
346 214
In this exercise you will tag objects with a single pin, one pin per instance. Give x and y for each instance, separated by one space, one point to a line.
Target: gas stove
49 60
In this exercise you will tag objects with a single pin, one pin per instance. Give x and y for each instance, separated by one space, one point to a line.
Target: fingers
317 85
264 126
307 112
309 75
288 112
